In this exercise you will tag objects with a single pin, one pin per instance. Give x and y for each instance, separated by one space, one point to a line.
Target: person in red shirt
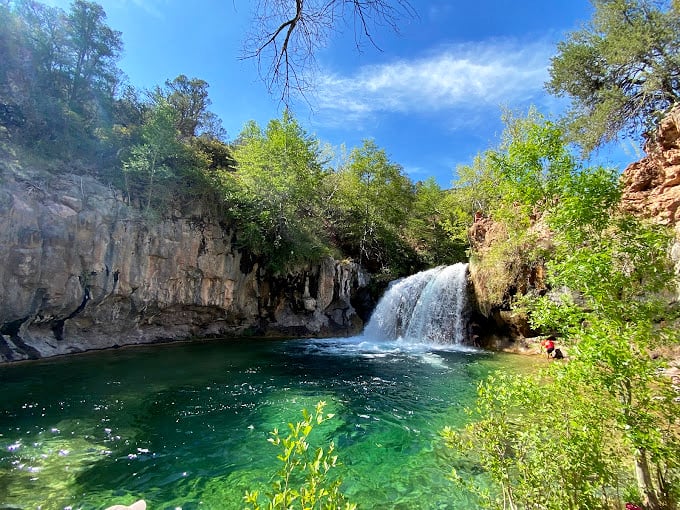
549 345
550 349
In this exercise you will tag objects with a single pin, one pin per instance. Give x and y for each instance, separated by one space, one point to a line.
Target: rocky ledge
651 186
83 270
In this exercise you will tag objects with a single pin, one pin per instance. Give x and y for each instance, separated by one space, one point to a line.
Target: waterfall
428 307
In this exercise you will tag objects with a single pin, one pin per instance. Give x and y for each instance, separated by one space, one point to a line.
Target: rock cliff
83 270
499 271
652 185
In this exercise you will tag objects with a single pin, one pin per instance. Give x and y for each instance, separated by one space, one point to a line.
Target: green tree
527 171
274 194
435 224
34 42
533 163
94 51
189 98
217 154
46 38
372 202
60 76
476 187
11 39
152 158
621 71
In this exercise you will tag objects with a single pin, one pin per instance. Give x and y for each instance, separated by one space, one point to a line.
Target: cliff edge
652 185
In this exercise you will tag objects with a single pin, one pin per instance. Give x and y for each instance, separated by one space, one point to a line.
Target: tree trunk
643 474
152 171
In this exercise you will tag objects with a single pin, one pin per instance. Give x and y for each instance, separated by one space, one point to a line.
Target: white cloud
437 10
155 8
465 76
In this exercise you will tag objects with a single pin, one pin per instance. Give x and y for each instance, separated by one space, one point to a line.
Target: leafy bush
609 412
542 445
304 480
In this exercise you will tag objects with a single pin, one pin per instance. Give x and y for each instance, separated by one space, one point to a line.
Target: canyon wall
652 185
80 269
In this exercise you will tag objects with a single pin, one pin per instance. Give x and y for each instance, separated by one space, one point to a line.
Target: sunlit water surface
186 425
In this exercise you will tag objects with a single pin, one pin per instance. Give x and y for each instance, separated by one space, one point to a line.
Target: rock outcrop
499 271
83 270
652 185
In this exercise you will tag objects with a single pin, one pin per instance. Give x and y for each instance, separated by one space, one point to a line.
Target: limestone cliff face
652 185
80 270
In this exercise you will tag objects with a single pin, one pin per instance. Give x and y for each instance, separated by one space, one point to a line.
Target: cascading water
428 307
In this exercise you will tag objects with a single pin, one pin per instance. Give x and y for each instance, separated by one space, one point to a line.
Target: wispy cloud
464 76
155 8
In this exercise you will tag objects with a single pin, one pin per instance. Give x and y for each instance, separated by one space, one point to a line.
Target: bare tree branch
287 35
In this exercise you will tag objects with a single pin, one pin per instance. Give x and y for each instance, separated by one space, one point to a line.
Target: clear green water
186 425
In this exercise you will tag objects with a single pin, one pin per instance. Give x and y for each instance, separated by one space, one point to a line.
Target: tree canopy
190 100
621 70
58 73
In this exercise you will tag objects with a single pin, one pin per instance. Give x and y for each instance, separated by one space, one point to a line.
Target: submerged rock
137 505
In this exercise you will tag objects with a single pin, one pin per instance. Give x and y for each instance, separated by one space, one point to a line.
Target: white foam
367 348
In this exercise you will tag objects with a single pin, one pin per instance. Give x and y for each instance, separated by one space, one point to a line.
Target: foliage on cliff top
523 188
610 295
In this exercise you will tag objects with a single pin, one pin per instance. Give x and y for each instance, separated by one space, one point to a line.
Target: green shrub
303 481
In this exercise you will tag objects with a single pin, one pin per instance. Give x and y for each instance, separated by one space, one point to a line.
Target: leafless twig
287 35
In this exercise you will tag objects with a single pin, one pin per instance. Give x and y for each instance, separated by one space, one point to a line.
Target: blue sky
431 96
